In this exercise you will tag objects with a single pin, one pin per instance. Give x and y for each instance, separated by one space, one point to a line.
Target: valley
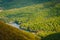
42 18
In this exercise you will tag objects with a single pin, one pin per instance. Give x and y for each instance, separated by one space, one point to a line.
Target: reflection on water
14 25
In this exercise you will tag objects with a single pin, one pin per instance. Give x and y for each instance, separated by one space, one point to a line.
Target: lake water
14 25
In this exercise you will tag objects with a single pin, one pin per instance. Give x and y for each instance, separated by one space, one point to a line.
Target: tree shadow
55 36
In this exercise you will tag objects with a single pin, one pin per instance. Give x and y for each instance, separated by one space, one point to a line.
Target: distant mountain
8 4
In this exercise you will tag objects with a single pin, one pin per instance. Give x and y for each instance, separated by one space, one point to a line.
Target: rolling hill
8 32
55 36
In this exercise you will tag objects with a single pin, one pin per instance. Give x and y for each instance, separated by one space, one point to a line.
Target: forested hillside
8 32
36 16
